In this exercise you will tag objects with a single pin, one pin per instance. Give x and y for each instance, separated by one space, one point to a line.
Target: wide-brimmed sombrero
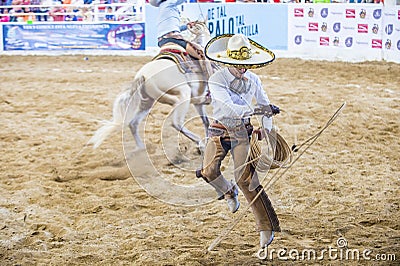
239 51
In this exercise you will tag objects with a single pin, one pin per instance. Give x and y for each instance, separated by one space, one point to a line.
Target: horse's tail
120 106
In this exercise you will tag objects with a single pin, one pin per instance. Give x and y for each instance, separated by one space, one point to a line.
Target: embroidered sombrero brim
215 50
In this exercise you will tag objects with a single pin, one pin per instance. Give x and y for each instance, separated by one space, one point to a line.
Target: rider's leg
194 51
197 52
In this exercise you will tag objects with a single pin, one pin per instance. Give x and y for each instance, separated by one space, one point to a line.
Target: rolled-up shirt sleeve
262 100
260 94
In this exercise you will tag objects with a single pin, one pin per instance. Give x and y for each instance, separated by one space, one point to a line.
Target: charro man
233 89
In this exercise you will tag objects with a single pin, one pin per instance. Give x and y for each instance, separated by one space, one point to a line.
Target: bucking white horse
164 81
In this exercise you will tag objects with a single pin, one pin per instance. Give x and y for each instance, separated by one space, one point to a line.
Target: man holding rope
232 90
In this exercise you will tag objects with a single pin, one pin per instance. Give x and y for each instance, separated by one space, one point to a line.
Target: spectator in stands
85 14
110 14
44 9
9 3
4 18
56 13
16 11
77 4
28 15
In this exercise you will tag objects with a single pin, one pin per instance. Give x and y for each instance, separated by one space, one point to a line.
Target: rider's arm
262 101
260 94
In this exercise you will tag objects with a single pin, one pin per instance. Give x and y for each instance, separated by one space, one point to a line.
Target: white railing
133 10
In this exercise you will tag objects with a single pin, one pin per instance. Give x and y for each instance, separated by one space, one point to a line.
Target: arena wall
342 32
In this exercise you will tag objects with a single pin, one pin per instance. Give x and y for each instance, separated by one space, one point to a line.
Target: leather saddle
176 53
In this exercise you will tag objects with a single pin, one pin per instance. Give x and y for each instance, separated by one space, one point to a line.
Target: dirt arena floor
61 205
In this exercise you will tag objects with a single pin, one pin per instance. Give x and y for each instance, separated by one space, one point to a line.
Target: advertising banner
391 34
264 23
336 31
99 36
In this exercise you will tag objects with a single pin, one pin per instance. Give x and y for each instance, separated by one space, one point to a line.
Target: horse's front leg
206 122
179 114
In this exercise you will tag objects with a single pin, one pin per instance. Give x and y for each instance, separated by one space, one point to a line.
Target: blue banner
107 36
266 24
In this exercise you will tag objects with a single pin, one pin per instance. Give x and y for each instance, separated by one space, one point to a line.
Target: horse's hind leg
204 118
134 125
139 108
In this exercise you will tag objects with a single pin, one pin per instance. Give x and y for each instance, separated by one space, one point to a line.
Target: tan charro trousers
245 176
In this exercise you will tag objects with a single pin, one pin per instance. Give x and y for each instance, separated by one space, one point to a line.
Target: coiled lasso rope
277 154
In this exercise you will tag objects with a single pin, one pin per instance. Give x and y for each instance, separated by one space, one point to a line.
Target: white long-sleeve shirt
228 104
169 17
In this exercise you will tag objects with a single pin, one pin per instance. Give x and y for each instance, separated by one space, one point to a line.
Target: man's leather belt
233 123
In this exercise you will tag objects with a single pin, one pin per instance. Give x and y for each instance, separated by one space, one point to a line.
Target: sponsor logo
300 26
398 14
313 26
363 13
311 12
388 44
349 42
389 29
324 12
336 41
298 39
362 43
398 45
336 27
377 13
324 41
350 13
348 28
324 27
375 29
376 43
299 12
362 28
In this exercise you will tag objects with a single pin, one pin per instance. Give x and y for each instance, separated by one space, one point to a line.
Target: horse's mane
199 33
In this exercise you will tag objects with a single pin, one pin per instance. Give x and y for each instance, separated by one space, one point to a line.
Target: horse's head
200 33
